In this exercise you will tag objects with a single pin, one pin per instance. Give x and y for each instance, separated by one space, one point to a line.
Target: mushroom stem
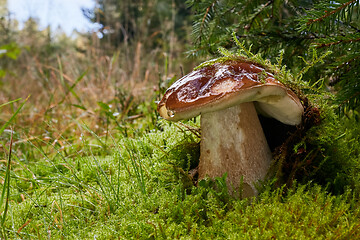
233 142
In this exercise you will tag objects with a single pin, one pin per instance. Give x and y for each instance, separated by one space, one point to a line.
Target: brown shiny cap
227 84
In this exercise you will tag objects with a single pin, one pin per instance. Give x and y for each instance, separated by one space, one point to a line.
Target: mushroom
228 96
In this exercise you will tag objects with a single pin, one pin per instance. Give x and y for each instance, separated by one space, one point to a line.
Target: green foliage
9 52
336 26
293 27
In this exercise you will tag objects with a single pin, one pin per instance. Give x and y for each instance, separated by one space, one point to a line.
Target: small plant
5 191
10 51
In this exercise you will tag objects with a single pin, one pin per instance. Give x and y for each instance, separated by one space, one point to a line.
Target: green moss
104 197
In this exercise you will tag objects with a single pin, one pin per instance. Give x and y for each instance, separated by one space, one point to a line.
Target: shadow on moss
318 151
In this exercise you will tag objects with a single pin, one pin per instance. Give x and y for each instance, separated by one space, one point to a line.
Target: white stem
232 141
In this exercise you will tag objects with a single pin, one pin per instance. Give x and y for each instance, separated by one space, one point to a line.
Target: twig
338 42
311 21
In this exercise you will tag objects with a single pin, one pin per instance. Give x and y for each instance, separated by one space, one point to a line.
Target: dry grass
66 86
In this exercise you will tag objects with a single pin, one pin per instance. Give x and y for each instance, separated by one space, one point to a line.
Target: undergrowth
140 189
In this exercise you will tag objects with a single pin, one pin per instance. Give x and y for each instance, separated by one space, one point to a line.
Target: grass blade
71 89
13 116
6 189
4 104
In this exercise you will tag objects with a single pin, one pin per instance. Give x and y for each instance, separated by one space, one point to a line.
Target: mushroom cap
227 84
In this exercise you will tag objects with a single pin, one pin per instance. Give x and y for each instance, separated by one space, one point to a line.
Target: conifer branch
207 12
258 13
311 21
337 42
297 28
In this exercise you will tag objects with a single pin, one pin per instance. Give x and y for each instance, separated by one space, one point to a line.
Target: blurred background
89 59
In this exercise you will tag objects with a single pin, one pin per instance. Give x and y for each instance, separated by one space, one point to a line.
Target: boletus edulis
229 95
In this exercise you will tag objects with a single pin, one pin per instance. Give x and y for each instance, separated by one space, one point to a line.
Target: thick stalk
233 142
